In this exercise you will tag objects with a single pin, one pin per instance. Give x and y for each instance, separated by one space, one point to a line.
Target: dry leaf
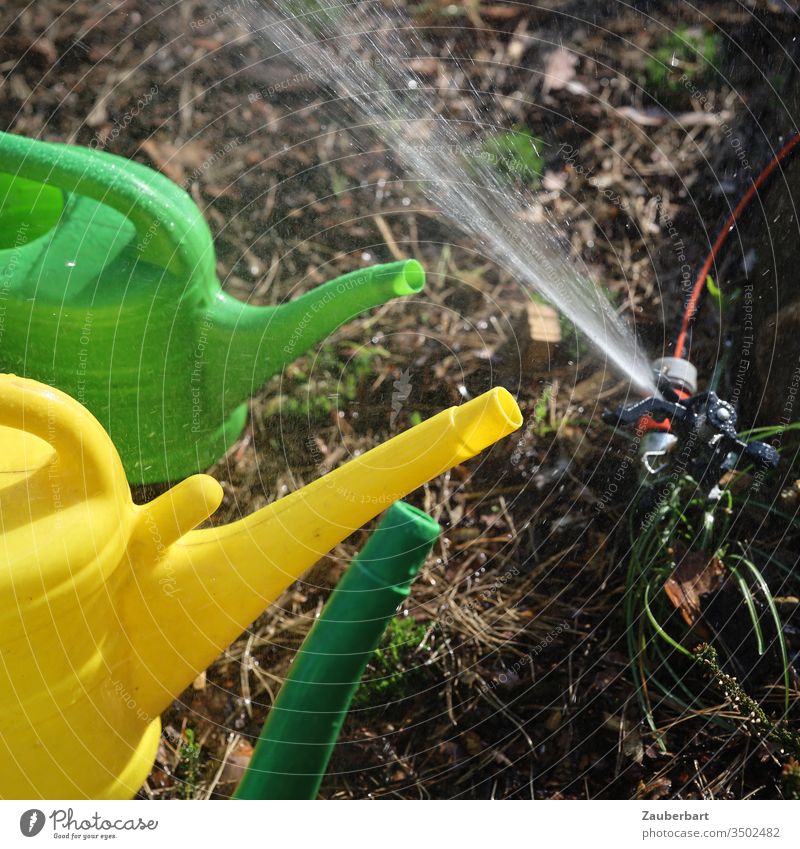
554 181
632 745
236 764
473 743
559 69
658 788
500 13
693 577
177 162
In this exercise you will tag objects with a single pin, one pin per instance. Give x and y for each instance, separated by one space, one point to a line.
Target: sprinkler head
699 429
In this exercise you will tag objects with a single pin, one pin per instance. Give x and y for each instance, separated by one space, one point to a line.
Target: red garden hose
692 303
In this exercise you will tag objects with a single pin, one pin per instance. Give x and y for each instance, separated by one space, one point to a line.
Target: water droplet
366 256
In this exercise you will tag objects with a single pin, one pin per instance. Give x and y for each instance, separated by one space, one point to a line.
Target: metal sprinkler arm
655 408
667 405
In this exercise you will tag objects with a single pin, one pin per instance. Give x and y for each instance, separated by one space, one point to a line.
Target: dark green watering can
108 290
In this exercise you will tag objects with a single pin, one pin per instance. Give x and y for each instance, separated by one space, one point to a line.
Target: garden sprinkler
109 609
703 425
298 738
109 291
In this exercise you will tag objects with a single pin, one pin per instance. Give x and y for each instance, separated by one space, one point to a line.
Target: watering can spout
125 604
243 336
212 583
103 259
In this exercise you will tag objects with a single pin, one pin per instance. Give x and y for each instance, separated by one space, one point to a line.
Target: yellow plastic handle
70 430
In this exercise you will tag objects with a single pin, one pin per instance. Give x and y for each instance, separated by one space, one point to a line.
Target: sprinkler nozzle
657 445
680 374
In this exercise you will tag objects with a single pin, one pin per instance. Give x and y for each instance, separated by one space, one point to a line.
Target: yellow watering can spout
213 583
109 609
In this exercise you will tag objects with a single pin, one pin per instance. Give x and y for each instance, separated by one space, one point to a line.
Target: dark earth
509 674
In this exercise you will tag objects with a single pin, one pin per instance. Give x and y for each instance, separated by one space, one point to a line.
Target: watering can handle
172 231
82 445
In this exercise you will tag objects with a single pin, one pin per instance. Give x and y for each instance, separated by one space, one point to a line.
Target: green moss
515 154
394 670
692 52
319 384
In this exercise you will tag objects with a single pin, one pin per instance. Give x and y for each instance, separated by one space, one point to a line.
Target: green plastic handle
172 231
296 743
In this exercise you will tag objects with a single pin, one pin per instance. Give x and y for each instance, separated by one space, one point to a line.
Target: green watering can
108 291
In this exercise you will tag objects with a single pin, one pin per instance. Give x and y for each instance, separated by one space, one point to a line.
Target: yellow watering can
108 609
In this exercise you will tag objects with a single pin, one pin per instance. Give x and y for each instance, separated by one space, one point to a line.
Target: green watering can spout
111 294
243 335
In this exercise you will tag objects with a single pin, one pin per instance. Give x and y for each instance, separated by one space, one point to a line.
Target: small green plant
686 51
188 770
716 294
515 154
338 377
393 670
542 408
679 523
